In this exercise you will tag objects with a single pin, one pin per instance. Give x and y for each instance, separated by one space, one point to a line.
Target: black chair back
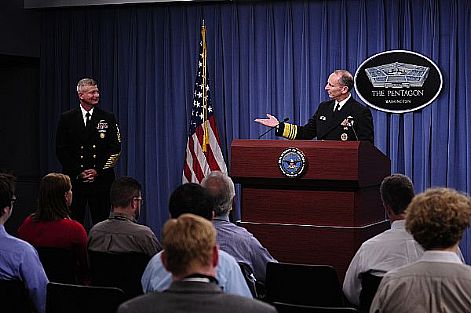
295 308
60 264
369 286
63 298
315 285
121 270
249 278
14 297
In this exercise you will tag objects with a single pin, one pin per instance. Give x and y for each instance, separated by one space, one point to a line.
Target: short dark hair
397 192
123 190
191 198
438 217
7 190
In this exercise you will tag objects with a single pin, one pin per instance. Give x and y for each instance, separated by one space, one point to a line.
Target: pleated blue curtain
263 57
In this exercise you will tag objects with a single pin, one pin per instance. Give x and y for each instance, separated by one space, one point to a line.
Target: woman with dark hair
50 226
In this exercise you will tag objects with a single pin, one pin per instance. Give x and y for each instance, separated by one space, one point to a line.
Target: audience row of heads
436 218
213 197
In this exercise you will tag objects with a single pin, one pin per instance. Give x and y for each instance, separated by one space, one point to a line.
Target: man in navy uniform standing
340 118
88 145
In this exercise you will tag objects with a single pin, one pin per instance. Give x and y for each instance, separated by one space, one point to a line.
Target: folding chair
106 269
63 298
59 264
315 285
369 286
296 308
14 297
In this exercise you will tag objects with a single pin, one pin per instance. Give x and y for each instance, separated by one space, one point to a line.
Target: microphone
350 124
271 128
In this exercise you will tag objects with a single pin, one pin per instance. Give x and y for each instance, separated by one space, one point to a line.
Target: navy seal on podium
88 145
340 118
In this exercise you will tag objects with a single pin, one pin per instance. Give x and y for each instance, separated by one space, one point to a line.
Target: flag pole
204 92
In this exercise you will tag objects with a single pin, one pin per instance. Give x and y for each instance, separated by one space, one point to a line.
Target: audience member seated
18 259
191 255
121 233
233 239
390 249
192 198
50 226
438 281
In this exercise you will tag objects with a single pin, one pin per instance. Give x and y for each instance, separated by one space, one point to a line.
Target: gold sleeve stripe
112 160
290 131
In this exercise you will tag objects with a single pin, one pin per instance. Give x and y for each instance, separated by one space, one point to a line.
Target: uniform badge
344 137
292 162
102 127
322 118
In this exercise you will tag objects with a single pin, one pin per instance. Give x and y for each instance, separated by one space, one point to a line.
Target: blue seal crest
292 162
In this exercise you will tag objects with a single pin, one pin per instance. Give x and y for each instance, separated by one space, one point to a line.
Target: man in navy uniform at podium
88 145
340 118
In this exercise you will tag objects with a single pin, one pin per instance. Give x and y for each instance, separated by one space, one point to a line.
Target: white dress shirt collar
84 112
342 103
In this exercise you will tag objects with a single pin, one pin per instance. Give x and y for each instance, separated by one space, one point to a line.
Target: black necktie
88 119
336 108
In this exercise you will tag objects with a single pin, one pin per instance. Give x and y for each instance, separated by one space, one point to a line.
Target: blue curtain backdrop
263 57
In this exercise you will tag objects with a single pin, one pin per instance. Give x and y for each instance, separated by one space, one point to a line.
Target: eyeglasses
140 199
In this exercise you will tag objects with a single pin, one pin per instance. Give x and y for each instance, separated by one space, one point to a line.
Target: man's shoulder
357 105
215 301
226 259
71 112
438 269
103 113
17 246
245 304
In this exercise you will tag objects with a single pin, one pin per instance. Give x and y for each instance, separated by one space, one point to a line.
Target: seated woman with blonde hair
50 228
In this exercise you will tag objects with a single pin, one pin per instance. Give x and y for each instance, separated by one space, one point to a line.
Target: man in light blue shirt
18 259
233 239
194 199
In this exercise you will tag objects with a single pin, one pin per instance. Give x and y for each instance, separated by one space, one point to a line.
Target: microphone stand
353 129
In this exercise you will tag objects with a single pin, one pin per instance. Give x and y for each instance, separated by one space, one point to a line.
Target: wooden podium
321 217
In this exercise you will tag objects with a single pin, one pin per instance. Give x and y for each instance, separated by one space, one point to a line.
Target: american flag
203 149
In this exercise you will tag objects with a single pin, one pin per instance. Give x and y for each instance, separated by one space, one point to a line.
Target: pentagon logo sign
398 81
292 162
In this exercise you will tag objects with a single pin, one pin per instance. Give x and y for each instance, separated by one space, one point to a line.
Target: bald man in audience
191 255
438 281
233 239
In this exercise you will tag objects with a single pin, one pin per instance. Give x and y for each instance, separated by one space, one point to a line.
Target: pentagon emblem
344 137
292 162
102 135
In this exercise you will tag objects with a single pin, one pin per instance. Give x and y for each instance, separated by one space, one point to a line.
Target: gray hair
346 78
85 82
221 187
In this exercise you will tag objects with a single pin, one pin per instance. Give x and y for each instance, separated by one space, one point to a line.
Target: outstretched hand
271 121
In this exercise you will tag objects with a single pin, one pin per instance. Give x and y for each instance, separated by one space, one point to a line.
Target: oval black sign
398 81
